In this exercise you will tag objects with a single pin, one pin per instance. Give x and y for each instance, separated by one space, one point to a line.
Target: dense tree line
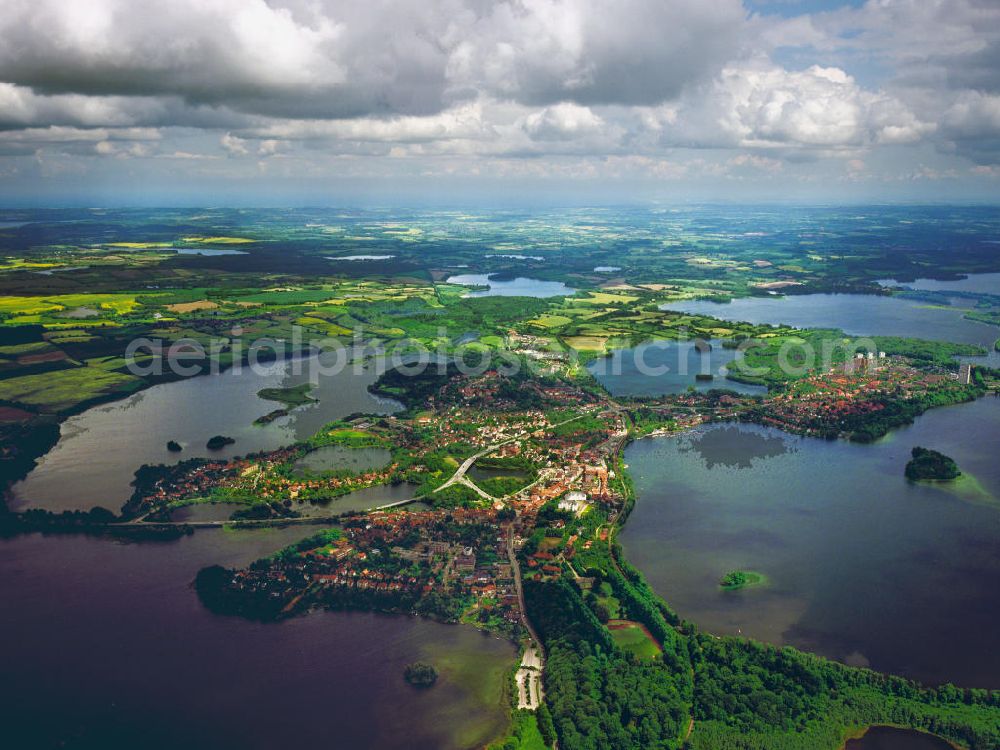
24 443
866 428
642 589
599 696
94 522
741 695
414 388
750 695
525 732
938 353
605 699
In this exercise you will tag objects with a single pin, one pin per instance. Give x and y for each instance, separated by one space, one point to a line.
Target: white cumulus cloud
765 105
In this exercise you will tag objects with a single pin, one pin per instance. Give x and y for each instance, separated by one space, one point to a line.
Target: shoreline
619 523
860 733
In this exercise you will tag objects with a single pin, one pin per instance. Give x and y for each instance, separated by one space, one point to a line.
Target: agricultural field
688 252
63 391
78 291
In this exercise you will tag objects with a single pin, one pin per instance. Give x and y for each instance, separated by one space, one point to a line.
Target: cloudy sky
329 101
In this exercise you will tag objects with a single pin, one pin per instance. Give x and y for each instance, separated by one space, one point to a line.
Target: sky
545 102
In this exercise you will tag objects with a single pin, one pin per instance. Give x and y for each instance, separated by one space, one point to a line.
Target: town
516 484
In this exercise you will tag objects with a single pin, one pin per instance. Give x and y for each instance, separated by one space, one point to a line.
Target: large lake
99 450
107 645
855 314
657 368
863 566
517 287
977 283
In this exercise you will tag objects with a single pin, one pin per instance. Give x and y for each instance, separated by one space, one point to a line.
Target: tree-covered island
930 465
218 442
290 396
420 674
741 579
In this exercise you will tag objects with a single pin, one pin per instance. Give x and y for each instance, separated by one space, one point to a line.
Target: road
532 671
300 521
459 475
457 478
516 568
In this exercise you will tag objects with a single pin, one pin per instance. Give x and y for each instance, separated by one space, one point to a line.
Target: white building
575 502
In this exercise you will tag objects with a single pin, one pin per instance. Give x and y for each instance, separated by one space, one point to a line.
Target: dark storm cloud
517 86
246 55
978 70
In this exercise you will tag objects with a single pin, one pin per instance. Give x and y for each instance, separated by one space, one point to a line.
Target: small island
929 465
296 395
740 579
271 416
292 398
173 446
218 442
420 674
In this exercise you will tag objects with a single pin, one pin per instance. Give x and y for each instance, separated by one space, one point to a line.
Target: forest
735 694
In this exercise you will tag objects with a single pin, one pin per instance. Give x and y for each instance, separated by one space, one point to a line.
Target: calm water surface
519 287
855 314
100 449
887 738
490 472
863 566
662 367
366 499
332 457
106 645
977 283
208 251
206 512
